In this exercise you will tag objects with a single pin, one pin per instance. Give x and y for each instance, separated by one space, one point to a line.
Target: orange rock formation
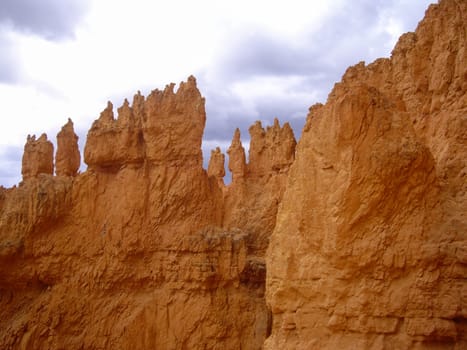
370 244
68 157
141 250
38 157
353 239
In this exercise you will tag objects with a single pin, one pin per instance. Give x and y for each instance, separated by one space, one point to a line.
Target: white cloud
122 46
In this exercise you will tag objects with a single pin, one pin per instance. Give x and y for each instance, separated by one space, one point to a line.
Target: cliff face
353 238
369 247
142 250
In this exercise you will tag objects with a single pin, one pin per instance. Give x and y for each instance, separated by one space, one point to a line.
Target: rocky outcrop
216 167
38 157
166 127
68 158
271 150
37 205
258 186
353 238
237 159
368 247
137 244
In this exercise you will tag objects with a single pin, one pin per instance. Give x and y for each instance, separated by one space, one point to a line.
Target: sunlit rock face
38 157
145 249
370 242
354 238
67 158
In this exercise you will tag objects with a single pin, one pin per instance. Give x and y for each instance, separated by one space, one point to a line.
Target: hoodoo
145 249
353 238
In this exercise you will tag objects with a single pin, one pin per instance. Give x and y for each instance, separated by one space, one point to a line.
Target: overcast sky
254 60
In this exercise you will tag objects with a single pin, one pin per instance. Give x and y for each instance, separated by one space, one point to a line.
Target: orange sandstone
354 238
369 247
37 157
132 253
68 158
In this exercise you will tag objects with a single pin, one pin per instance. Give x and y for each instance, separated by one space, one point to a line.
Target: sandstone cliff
354 238
369 248
145 249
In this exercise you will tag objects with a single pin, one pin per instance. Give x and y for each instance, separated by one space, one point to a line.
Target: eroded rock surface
134 252
38 157
369 246
68 158
257 186
358 232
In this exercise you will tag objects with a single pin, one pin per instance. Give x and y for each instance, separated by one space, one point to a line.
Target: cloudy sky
253 59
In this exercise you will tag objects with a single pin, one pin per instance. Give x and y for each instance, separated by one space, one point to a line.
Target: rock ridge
145 130
144 229
354 237
370 255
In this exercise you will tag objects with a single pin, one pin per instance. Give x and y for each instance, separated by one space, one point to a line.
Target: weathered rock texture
216 166
358 233
142 250
68 158
370 244
38 157
252 199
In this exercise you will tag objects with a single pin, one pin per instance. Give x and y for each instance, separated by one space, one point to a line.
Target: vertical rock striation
237 159
68 158
38 157
137 244
216 167
354 238
252 200
368 250
271 150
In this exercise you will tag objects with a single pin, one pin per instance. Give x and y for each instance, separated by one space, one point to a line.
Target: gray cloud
8 70
345 38
353 33
226 112
317 59
10 165
12 153
51 19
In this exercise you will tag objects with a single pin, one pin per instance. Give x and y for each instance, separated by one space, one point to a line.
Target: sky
253 59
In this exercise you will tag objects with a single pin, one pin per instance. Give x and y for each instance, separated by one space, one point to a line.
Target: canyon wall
354 238
145 249
369 250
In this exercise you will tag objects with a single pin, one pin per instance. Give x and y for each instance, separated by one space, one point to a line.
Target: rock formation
354 238
271 150
134 252
68 158
38 157
257 186
237 159
216 167
369 247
